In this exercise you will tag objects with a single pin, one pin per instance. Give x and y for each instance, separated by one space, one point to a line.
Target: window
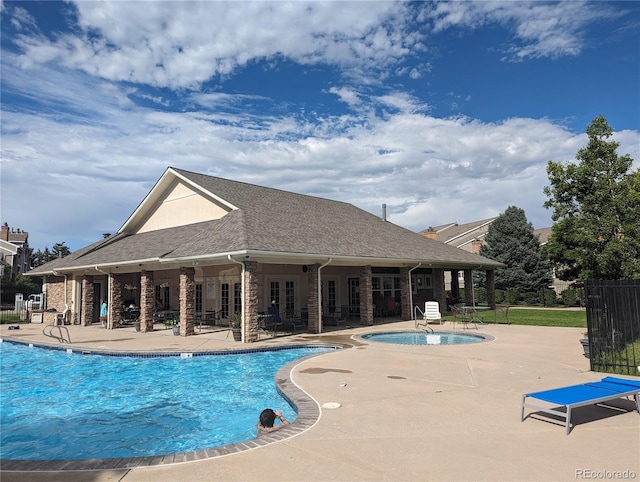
289 295
274 293
163 298
331 301
198 298
237 298
224 300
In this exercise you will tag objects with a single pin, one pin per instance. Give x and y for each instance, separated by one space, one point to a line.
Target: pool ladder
48 331
422 316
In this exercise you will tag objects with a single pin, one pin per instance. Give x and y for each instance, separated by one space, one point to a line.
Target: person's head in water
267 417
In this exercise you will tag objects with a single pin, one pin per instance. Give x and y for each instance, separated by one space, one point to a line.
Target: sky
444 111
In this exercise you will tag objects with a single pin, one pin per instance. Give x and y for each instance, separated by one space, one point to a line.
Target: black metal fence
613 322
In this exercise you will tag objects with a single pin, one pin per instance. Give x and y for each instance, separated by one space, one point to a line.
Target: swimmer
267 418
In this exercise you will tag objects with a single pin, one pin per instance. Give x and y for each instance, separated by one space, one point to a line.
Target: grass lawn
539 317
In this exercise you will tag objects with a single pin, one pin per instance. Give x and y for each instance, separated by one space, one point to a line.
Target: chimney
430 233
384 212
5 232
475 246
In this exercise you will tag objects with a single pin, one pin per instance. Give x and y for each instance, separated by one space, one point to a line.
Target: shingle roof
277 222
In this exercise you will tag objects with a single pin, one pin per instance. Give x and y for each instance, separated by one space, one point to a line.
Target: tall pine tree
511 241
596 209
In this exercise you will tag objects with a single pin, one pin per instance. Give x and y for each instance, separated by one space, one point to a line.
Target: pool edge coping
307 408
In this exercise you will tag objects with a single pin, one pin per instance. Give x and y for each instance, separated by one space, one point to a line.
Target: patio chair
461 314
334 318
431 314
277 320
391 307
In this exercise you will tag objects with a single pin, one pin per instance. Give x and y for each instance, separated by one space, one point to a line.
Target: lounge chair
609 388
431 313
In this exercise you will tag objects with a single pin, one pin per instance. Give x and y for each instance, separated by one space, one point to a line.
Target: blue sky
443 111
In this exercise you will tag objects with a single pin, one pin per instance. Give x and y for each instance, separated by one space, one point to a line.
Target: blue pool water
424 338
58 405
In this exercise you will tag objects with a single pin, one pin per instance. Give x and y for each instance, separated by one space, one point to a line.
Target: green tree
59 250
511 241
596 208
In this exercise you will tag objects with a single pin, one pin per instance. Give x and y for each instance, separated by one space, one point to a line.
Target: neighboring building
198 244
470 237
15 253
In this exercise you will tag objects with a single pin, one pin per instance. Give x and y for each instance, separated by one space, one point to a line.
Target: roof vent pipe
384 212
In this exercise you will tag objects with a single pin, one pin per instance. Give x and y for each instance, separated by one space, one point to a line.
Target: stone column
115 301
147 301
468 287
405 294
314 323
86 304
491 288
366 297
187 301
251 288
439 292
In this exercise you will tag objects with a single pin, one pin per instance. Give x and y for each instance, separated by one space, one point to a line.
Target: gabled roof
266 224
460 235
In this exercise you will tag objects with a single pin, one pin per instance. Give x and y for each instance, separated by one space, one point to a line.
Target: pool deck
407 412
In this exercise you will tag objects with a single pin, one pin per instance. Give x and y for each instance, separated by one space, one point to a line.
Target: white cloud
183 44
429 171
94 153
541 29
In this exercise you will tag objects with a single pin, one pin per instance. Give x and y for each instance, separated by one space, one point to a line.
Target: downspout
241 297
413 312
320 295
108 295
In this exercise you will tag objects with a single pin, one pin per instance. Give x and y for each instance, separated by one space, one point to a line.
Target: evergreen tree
511 241
596 205
59 250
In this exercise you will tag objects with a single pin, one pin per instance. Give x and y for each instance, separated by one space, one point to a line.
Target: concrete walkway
409 413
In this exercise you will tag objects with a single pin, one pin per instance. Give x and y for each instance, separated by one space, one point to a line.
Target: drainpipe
413 312
320 294
242 289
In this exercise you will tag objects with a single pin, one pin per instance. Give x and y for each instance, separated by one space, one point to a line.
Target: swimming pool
424 338
58 405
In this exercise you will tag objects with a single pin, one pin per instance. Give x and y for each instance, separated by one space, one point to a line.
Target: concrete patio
407 412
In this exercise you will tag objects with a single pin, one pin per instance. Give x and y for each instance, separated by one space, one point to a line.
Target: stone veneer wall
114 302
312 301
187 301
88 295
250 301
366 300
405 294
55 293
147 301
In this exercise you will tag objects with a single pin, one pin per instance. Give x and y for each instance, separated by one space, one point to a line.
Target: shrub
512 297
531 298
570 297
